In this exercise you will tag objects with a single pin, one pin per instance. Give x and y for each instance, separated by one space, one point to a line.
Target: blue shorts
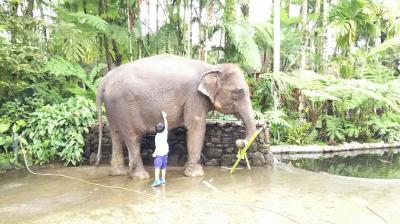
161 162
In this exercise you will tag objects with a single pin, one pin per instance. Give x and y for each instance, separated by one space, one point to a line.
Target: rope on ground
249 206
149 195
77 179
383 219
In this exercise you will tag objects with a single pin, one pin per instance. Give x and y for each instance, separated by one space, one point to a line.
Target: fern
378 73
386 127
334 129
263 35
94 21
351 130
120 35
242 37
277 117
393 43
318 96
60 67
73 43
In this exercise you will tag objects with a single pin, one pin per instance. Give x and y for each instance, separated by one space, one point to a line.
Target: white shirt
162 147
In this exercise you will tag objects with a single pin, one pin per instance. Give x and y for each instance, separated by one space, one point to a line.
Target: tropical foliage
338 80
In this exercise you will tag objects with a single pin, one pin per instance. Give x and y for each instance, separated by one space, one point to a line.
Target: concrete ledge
297 149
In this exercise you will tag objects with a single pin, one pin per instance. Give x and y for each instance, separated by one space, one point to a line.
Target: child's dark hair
160 127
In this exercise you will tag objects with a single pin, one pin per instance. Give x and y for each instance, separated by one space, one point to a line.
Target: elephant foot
193 170
139 173
118 171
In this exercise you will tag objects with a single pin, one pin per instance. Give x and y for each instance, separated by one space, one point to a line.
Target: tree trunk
44 29
190 29
324 36
29 9
148 21
139 27
84 5
277 36
245 11
118 57
185 30
277 44
107 50
314 41
229 17
103 10
131 19
201 47
13 13
286 6
205 39
180 36
304 7
157 28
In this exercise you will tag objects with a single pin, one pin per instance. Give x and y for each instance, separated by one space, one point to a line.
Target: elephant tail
99 104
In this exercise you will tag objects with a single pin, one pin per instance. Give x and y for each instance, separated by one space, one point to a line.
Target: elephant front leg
136 169
195 139
117 157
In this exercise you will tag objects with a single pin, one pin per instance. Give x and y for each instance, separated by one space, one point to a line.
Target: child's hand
154 155
164 114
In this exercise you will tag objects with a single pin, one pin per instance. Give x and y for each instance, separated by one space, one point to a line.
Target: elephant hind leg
117 157
136 169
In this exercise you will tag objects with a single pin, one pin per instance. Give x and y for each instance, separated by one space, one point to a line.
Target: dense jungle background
338 81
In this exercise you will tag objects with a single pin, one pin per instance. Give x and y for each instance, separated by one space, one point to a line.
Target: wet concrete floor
276 195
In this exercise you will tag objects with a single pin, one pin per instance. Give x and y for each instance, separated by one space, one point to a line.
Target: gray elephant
135 94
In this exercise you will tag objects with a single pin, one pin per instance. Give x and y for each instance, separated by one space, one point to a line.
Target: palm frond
242 37
74 44
94 21
392 43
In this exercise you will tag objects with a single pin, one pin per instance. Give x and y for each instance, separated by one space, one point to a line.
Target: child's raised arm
164 114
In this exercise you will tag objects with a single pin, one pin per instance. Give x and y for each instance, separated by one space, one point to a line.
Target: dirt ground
277 195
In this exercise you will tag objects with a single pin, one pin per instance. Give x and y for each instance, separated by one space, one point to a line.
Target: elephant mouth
238 116
225 110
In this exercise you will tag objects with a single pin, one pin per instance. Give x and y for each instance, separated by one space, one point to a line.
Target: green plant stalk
242 152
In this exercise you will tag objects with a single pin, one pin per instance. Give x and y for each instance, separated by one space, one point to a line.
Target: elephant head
229 93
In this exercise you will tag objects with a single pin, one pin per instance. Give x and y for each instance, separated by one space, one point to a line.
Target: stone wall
219 147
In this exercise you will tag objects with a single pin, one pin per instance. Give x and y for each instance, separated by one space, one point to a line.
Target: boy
161 152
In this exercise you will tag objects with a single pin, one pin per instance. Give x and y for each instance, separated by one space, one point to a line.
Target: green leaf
21 123
4 126
15 128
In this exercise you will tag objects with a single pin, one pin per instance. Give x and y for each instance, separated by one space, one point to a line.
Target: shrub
56 131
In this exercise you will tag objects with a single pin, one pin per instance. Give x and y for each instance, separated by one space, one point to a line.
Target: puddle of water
383 164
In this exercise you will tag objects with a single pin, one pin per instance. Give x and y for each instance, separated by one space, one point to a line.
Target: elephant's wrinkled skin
135 94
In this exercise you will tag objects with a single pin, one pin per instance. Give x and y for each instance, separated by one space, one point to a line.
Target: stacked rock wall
219 148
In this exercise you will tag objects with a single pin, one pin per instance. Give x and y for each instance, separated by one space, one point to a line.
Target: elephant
135 93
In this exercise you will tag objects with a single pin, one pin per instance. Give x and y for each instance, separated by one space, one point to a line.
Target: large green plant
353 20
341 109
56 131
386 127
77 80
14 116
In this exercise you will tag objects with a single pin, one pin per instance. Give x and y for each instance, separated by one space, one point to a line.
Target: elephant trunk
247 117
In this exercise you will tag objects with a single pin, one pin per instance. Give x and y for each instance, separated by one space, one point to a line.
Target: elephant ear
210 83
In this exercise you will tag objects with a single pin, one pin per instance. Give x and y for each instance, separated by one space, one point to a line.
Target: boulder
257 159
212 162
212 153
228 159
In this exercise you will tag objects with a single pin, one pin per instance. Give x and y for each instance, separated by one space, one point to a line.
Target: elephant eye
237 93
